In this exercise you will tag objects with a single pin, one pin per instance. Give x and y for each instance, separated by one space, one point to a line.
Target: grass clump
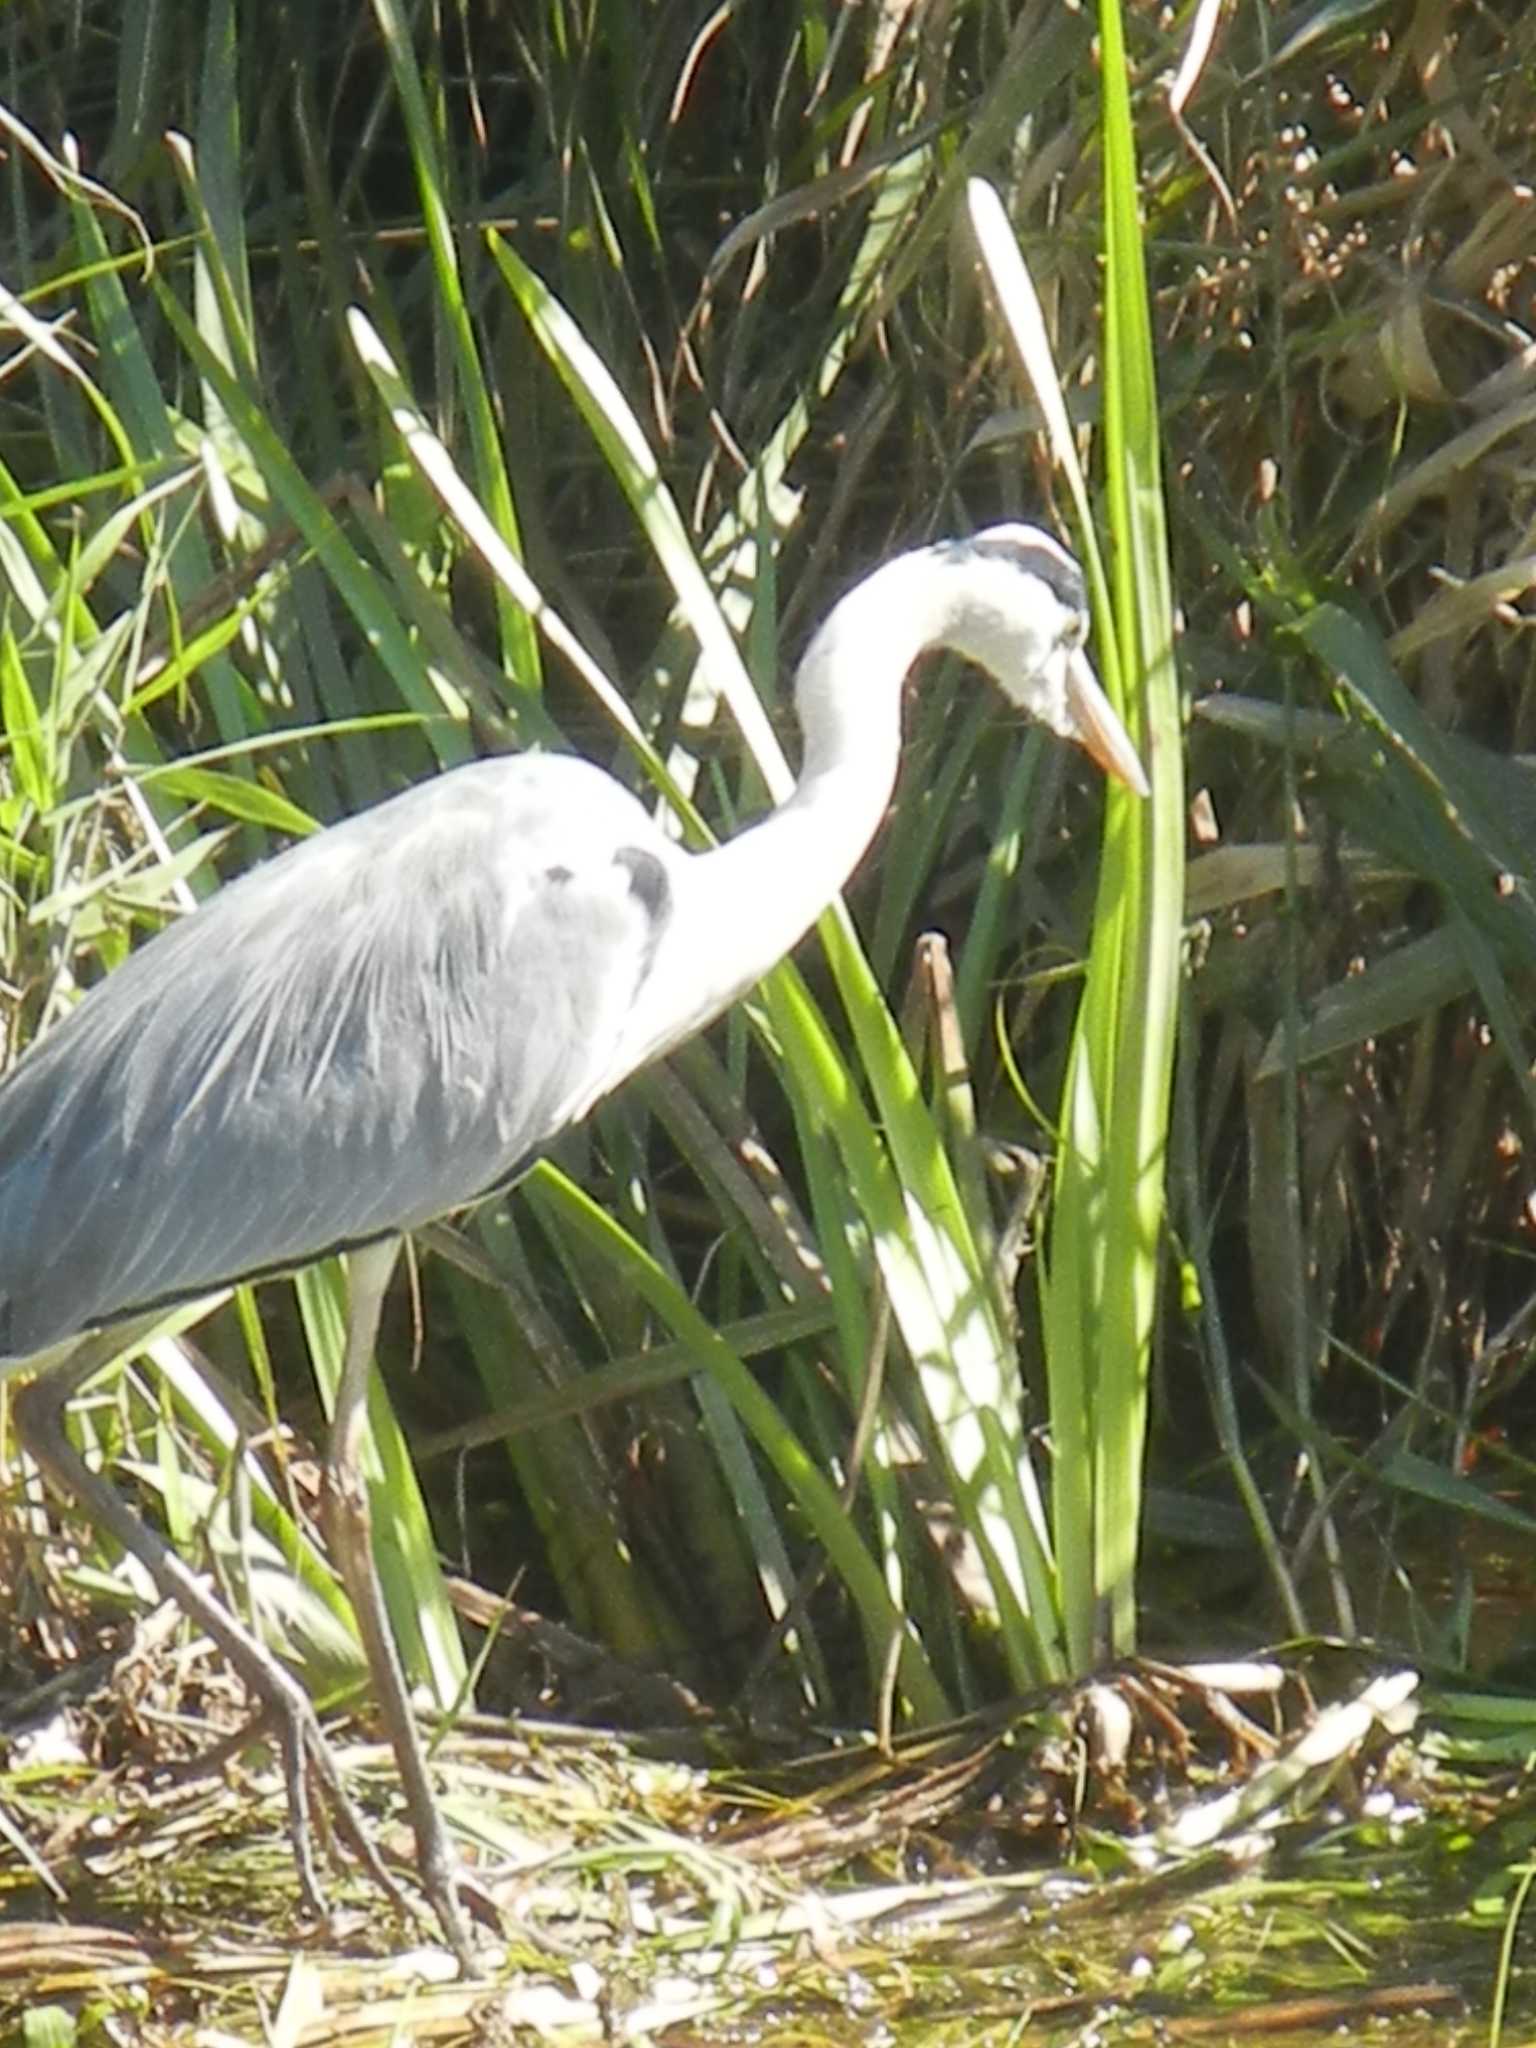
662 333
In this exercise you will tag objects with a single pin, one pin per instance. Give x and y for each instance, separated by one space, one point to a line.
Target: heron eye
1075 631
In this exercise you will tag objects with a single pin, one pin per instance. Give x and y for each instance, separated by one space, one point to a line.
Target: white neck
739 909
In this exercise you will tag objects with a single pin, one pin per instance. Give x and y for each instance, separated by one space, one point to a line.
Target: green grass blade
880 1620
520 647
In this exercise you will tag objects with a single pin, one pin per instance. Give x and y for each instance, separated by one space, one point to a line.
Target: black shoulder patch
1056 570
648 882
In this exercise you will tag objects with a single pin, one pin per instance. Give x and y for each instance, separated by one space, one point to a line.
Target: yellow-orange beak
1098 725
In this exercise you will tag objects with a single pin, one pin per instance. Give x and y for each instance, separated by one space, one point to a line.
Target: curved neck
740 908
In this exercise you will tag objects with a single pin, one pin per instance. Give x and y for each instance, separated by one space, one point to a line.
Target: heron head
1023 616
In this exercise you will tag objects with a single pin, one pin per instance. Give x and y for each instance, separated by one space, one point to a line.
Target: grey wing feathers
371 1030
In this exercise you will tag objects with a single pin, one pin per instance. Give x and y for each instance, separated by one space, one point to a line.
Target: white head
1023 616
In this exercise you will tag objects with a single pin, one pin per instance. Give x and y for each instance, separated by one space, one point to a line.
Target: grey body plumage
375 1028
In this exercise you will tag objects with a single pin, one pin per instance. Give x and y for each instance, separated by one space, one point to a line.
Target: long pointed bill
1098 725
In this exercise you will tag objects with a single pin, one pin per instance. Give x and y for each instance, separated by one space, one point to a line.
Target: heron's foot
287 1716
278 1720
454 1893
305 1751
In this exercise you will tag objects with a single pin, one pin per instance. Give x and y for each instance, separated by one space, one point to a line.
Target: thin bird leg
39 1412
348 1524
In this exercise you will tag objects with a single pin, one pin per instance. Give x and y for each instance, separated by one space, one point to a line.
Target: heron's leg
349 1527
39 1411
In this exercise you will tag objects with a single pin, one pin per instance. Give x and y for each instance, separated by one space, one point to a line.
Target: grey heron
388 1021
